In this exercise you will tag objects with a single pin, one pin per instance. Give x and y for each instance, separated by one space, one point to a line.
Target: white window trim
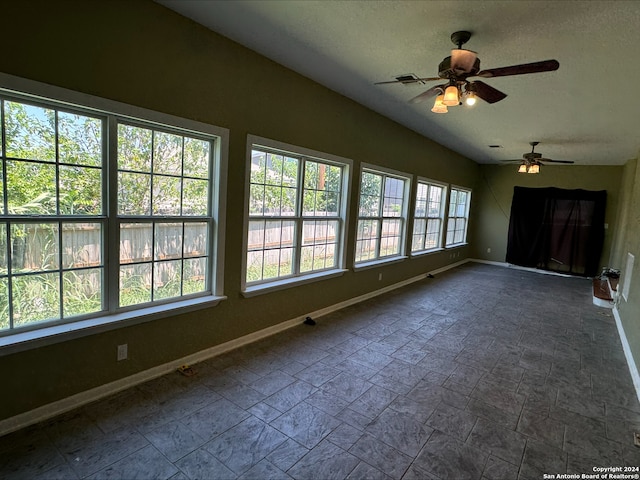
38 336
466 216
276 284
443 208
405 215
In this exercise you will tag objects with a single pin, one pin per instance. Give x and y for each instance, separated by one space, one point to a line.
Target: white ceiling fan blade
462 61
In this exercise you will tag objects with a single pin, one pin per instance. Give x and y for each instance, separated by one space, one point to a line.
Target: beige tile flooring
481 372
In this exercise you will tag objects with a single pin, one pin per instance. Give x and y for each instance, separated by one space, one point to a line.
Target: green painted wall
143 54
494 192
628 241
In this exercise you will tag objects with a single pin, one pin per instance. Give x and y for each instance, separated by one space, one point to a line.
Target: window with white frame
458 216
296 213
427 220
382 215
84 185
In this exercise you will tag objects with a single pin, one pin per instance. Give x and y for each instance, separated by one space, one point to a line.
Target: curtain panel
557 229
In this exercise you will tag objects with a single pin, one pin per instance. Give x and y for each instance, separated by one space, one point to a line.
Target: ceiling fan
532 161
458 68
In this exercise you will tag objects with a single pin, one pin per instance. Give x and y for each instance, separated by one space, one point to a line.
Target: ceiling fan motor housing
445 70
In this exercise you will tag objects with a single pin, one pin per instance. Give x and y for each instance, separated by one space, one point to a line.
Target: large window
296 208
163 214
458 216
382 215
81 186
427 223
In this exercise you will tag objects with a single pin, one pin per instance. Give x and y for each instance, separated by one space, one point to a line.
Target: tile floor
483 372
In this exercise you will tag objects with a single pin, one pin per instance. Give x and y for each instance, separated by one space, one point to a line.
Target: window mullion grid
181 211
299 211
5 210
111 248
151 217
383 182
59 222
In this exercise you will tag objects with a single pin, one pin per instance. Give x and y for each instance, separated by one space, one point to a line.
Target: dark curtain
556 229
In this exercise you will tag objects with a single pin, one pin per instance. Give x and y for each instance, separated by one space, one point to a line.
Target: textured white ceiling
587 111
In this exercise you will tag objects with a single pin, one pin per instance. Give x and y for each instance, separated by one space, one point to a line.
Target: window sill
274 286
27 340
379 262
456 245
427 252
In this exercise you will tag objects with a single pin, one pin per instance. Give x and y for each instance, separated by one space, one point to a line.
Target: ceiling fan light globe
451 97
438 106
534 169
470 99
523 168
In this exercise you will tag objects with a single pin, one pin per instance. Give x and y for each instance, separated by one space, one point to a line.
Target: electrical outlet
489 250
379 277
123 352
636 439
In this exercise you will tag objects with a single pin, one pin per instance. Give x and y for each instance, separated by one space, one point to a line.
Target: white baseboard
50 410
490 262
518 267
633 369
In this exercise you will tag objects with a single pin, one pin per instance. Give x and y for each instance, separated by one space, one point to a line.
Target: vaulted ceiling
587 111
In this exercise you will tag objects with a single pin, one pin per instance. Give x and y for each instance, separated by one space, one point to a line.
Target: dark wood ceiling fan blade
432 92
487 92
535 67
511 161
410 81
554 161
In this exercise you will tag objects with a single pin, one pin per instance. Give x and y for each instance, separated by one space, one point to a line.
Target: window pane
319 198
194 275
31 188
461 210
36 298
80 191
272 200
81 245
318 240
290 172
4 303
433 234
167 153
167 279
419 230
393 197
168 241
195 239
135 284
254 265
134 194
366 240
135 242
195 198
34 247
167 192
82 291
29 132
390 238
3 249
79 139
134 148
289 201
370 191
196 158
256 200
258 166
